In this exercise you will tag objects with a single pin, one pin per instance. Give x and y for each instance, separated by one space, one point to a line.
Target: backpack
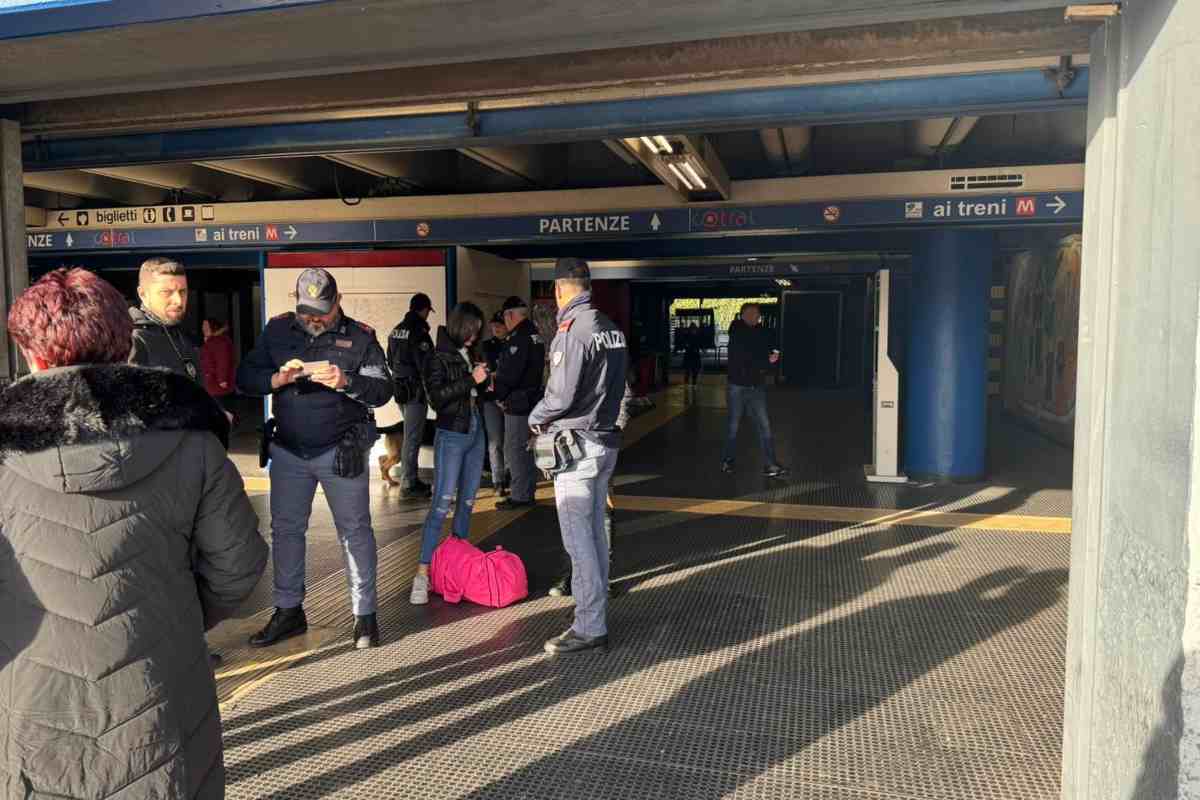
460 570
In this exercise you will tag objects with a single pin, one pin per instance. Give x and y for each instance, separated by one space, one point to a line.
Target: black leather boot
285 623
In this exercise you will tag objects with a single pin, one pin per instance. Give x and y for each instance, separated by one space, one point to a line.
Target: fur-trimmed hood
99 428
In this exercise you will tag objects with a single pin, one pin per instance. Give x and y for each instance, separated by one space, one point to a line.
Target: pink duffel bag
460 569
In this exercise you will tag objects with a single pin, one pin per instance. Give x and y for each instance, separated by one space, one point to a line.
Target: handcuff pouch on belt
557 452
264 447
350 453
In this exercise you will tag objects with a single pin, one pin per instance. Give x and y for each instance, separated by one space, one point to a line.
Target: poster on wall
1042 342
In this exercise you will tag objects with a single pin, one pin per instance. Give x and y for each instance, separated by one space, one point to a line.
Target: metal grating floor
755 658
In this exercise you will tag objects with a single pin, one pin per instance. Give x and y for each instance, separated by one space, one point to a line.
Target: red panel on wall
357 258
614 299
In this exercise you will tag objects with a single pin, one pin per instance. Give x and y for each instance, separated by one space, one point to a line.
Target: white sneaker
420 591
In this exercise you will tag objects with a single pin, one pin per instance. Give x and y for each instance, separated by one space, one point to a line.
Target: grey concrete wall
1129 657
14 270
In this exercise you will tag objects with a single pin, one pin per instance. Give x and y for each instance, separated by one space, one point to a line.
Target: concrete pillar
1133 676
14 270
945 417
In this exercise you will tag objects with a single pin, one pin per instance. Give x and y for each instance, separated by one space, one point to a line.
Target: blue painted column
945 420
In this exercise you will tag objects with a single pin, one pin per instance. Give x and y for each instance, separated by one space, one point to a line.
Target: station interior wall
1041 335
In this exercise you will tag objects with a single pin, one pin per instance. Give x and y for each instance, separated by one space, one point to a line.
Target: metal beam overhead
945 47
185 179
336 37
96 187
788 149
279 172
416 170
522 163
891 100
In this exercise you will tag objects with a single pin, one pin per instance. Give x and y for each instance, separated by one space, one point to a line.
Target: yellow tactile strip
854 516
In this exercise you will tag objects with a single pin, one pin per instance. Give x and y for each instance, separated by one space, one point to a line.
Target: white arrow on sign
655 223
291 231
1058 205
70 241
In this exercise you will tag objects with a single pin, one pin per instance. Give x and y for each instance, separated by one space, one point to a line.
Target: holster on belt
350 455
557 452
264 447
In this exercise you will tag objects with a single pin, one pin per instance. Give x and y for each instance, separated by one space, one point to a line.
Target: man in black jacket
751 352
158 340
518 389
408 347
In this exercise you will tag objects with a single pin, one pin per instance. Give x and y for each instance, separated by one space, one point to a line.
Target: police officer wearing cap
408 347
586 399
325 373
518 388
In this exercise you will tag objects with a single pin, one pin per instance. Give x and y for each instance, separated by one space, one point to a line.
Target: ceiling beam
187 179
417 170
946 46
282 173
95 187
523 163
788 149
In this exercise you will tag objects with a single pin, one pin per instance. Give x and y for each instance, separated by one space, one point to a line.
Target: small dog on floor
392 444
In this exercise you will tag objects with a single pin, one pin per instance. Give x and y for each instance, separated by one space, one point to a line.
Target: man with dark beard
325 374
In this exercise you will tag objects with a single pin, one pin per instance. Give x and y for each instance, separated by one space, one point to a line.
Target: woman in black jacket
455 378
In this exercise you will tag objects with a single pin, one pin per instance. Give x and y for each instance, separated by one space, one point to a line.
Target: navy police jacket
408 347
519 373
311 419
587 391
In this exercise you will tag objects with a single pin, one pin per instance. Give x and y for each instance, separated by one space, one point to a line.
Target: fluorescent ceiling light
646 140
682 178
687 165
663 143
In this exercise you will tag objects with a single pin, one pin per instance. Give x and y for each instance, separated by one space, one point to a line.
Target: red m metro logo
1026 206
272 233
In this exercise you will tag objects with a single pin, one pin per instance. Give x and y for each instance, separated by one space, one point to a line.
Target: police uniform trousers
414 433
581 495
293 485
518 457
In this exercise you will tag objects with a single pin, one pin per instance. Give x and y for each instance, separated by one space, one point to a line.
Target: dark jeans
493 417
754 400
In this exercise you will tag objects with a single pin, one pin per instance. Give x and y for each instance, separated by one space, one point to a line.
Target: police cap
420 302
513 302
316 292
571 268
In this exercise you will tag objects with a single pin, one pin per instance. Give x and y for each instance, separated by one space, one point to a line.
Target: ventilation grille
966 183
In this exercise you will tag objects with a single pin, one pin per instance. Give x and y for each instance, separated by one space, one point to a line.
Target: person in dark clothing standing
493 416
158 341
692 363
408 347
325 373
456 379
751 352
518 387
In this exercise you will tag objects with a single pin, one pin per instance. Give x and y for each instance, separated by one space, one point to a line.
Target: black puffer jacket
448 385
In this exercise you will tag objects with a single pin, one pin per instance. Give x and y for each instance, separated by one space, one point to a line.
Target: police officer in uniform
586 396
408 347
518 388
324 427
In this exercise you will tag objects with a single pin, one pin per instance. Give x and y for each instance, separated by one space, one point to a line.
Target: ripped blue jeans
458 468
